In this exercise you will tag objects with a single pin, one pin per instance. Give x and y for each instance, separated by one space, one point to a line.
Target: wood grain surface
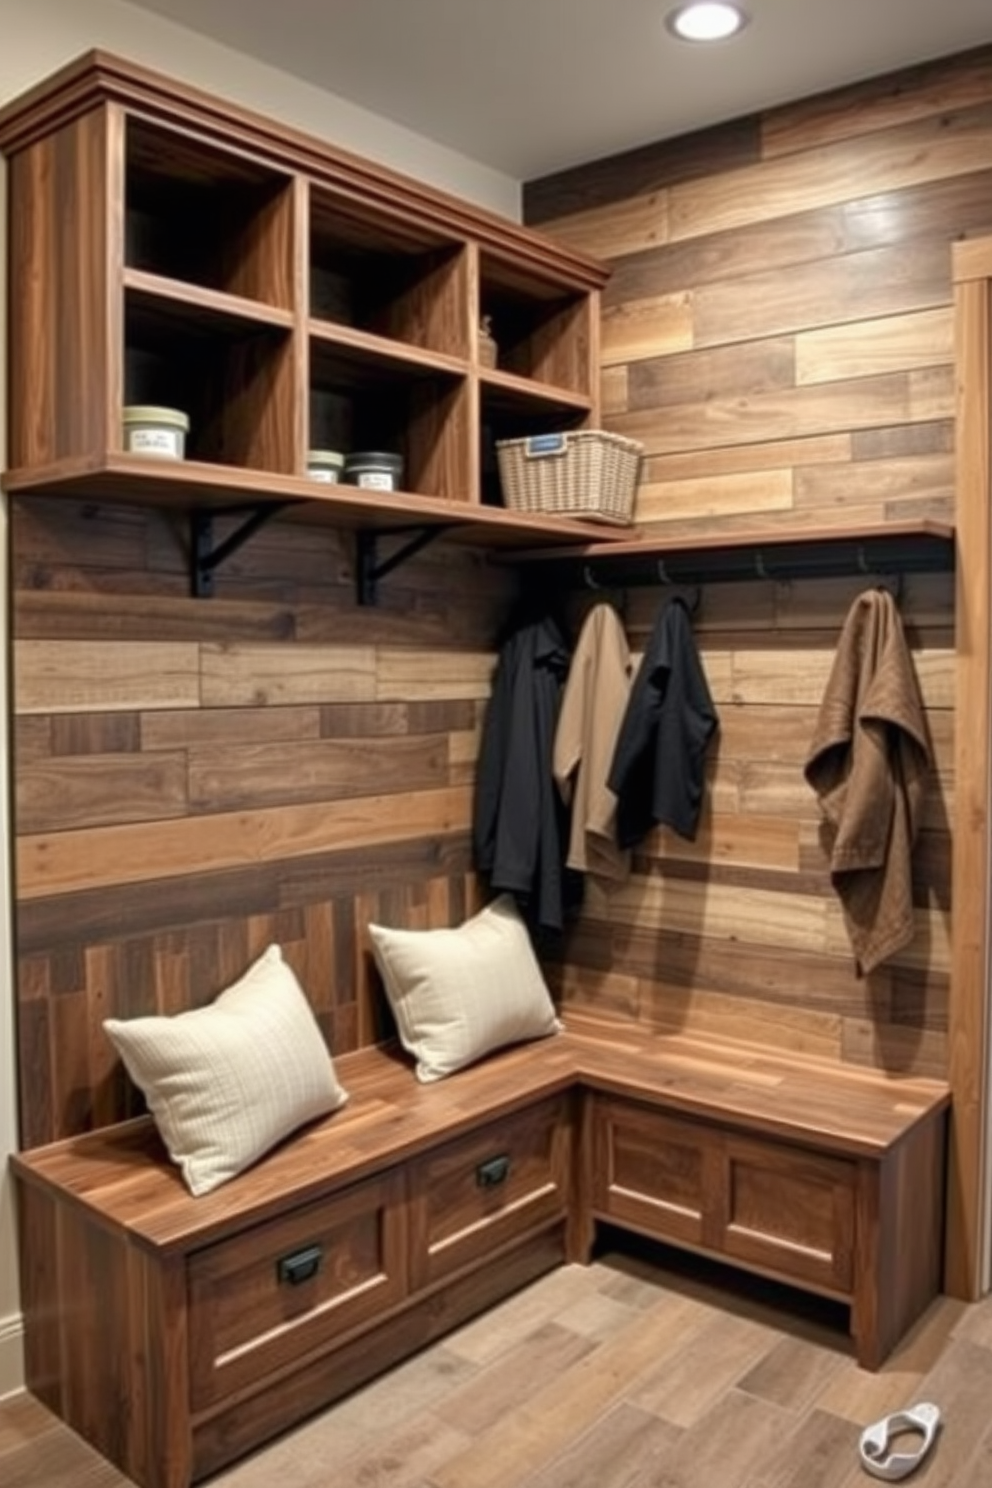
779 330
193 779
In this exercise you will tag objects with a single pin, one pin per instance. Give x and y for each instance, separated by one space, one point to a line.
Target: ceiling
530 87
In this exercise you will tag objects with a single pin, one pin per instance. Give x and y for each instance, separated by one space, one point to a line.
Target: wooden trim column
967 1196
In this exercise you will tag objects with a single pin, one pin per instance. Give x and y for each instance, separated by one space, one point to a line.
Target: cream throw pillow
228 1081
459 994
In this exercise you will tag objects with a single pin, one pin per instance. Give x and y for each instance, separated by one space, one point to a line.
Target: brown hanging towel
867 763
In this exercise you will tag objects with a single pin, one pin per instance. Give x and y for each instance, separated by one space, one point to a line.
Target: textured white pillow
228 1081
458 994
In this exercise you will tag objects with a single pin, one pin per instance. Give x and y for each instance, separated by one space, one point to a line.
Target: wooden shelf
285 297
358 347
134 480
775 553
507 390
212 303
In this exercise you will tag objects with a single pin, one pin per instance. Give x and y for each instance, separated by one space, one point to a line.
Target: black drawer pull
300 1266
493 1172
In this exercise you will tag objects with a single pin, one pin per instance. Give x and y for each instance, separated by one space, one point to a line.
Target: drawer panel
791 1211
781 1209
486 1188
265 1298
654 1172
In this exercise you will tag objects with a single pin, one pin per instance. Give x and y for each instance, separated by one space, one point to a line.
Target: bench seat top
122 1174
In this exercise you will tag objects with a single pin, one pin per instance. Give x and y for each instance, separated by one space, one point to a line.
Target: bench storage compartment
175 1334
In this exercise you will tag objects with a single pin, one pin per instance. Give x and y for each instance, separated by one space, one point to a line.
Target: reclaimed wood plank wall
197 778
778 332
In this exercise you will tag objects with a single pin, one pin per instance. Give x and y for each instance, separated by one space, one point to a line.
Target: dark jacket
658 764
520 826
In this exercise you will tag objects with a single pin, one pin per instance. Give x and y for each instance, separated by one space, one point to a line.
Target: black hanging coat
658 762
520 826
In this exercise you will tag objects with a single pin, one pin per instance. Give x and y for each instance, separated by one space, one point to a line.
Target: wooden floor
627 1374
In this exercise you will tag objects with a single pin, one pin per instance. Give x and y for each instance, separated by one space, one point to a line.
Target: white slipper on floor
874 1444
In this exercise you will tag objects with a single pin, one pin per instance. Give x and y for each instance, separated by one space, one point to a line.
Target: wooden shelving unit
169 250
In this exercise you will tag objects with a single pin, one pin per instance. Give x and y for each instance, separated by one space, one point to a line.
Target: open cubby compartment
361 401
511 413
541 327
233 376
387 275
206 216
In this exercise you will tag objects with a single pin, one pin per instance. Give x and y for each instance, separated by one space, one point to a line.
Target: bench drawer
655 1173
782 1209
790 1211
485 1189
267 1297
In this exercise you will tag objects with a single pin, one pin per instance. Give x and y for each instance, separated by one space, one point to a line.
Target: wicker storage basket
581 473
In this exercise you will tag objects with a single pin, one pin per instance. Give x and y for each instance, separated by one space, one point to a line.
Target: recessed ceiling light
714 20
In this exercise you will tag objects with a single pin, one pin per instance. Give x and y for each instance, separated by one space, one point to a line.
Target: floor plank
643 1370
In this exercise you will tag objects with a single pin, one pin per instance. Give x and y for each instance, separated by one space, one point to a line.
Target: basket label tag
545 444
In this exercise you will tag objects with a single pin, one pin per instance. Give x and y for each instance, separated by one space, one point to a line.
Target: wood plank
748 917
678 964
98 790
433 715
500 1458
797 524
425 676
77 676
880 103
642 170
69 861
934 148
619 228
929 950
875 283
699 376
252 776
930 437
777 733
924 338
750 458
203 727
772 677
826 488
675 267
31 737
613 387
839 407
953 208
967 1201
735 840
247 676
877 1045
715 496
106 615
49 925
95 733
653 327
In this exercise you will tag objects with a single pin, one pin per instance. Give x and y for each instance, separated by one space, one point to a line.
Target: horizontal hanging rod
872 555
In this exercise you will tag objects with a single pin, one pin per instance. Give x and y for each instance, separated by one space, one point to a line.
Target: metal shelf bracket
369 568
206 556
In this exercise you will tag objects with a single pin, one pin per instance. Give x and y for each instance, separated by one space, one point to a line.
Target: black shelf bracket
369 568
206 556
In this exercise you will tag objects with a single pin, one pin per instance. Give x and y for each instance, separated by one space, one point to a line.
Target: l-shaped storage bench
176 1333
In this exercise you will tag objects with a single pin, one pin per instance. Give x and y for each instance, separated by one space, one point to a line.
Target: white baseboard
11 1355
